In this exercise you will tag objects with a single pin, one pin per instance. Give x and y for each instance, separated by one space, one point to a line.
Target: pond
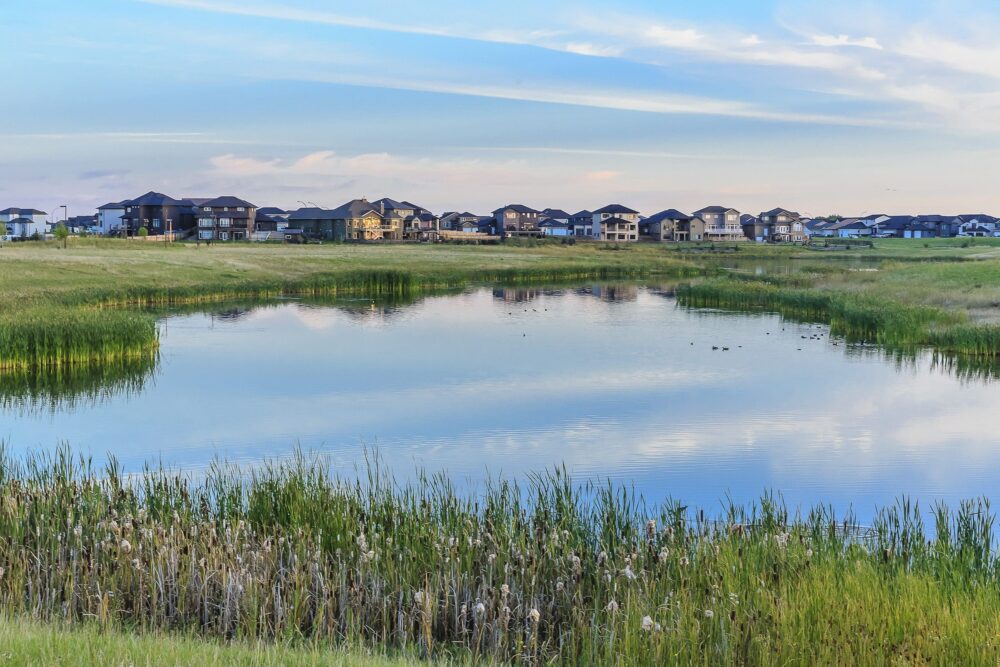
614 381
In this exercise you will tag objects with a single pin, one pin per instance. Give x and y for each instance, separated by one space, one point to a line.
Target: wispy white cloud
845 40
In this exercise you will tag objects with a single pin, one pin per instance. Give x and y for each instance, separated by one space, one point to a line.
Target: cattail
125 546
664 555
612 607
651 529
534 615
504 590
479 609
647 624
709 613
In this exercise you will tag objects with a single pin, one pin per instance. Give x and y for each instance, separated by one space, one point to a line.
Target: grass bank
544 572
32 644
70 307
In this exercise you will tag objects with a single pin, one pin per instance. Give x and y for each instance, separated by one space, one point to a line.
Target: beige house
615 222
721 223
362 221
672 225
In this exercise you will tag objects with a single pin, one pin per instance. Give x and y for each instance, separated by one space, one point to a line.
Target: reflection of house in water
615 292
516 294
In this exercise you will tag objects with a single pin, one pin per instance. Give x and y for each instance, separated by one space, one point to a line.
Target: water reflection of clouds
628 388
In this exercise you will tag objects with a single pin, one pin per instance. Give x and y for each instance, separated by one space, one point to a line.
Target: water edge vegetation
545 571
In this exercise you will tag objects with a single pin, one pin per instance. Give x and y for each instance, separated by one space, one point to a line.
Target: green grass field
25 643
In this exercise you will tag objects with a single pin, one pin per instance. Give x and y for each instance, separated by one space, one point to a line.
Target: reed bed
546 571
857 317
52 337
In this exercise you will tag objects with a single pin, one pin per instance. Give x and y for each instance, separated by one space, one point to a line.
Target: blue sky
847 107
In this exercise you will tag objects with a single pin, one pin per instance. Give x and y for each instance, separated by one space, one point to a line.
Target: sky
822 107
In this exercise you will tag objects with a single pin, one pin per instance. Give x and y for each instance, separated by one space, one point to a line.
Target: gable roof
778 211
155 199
615 220
22 211
120 204
616 209
312 213
230 202
714 209
583 214
556 213
272 210
356 208
669 214
520 208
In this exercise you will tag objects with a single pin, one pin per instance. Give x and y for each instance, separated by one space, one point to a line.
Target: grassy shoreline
545 572
82 305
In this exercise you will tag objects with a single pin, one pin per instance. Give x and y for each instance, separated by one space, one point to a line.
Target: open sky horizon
844 108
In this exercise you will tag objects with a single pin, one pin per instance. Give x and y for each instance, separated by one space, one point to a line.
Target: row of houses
229 218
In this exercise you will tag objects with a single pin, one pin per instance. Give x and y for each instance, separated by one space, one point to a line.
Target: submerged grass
546 572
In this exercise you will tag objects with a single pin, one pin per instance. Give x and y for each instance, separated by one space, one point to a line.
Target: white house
109 217
23 222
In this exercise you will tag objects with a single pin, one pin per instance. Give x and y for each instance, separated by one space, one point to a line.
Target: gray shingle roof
669 214
616 209
231 202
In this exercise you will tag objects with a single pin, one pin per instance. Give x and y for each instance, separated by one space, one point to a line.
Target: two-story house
157 213
362 221
673 225
517 220
581 223
721 223
23 222
109 217
785 226
615 222
226 219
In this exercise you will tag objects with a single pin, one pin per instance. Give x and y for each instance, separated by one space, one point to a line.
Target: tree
61 233
143 232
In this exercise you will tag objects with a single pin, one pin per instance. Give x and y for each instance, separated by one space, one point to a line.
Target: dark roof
520 208
556 213
272 210
616 209
778 211
392 204
713 209
550 222
22 211
112 204
616 220
263 217
355 208
82 219
23 221
669 214
312 214
155 199
230 202
583 214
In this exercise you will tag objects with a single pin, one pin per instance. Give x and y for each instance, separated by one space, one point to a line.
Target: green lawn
34 644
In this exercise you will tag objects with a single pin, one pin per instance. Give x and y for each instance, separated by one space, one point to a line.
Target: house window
224 236
224 222
205 222
206 208
205 234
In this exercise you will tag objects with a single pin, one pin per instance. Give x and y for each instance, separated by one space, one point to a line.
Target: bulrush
287 551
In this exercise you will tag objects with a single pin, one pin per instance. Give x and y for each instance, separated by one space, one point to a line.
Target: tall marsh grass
856 317
545 572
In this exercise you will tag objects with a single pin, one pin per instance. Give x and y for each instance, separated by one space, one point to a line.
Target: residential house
555 227
848 228
452 220
157 213
315 223
109 218
582 222
78 224
977 224
721 223
23 222
615 222
556 214
755 229
364 221
517 220
226 219
785 226
672 225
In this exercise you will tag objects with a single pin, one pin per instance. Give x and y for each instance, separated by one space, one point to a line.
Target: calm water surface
612 381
